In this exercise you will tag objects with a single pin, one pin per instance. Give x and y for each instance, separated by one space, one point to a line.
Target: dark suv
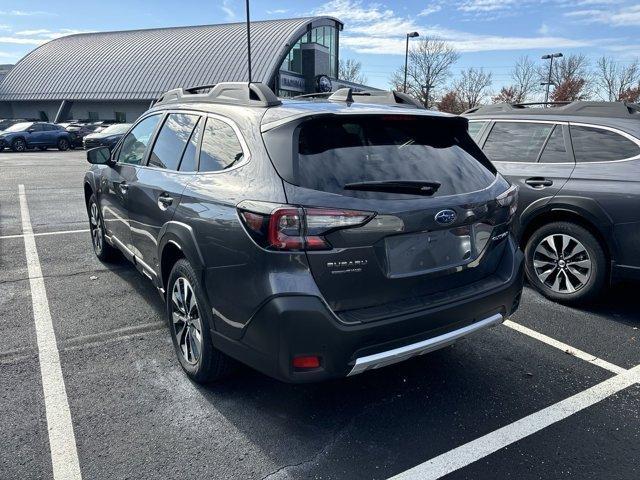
307 239
22 136
578 169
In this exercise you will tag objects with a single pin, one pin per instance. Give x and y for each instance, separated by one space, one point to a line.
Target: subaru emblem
445 217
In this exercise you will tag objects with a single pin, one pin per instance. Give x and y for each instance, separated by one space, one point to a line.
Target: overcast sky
488 33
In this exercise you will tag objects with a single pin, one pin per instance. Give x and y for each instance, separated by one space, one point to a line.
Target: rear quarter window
592 144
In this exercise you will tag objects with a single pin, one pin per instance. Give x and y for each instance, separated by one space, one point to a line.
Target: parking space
135 414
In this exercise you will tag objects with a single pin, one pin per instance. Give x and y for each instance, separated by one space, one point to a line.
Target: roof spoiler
229 93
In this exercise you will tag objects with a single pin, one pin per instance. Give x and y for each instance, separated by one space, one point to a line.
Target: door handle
164 201
538 182
124 188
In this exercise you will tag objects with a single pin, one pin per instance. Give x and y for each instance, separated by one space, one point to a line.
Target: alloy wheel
562 263
185 317
96 229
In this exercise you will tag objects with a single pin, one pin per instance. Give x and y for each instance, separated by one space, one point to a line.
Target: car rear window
332 151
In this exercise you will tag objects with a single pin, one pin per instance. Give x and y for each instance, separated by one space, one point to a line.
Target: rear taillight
296 228
509 198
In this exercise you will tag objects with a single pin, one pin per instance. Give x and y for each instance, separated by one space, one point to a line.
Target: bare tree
429 67
472 86
351 71
525 79
615 79
572 71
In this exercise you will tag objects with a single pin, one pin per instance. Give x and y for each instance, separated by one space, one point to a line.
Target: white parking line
62 442
60 232
492 442
565 348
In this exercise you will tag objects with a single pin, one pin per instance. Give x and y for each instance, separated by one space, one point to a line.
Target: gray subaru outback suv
307 239
578 170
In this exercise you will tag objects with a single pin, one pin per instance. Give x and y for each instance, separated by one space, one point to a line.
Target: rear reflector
306 362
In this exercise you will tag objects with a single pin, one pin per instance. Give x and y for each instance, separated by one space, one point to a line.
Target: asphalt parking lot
554 394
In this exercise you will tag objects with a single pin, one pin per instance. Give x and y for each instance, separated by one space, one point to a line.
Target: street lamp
551 56
406 57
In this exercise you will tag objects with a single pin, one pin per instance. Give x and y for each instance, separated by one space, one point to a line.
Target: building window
121 117
43 116
326 36
94 116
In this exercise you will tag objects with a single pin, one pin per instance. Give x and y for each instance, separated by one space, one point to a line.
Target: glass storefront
326 36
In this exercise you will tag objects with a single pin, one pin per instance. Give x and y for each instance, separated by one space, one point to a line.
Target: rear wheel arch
176 240
565 215
88 191
171 253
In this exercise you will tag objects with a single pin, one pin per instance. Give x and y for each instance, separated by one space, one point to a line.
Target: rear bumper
290 326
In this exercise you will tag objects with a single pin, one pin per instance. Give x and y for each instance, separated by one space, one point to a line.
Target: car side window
36 127
135 143
172 140
220 147
475 128
597 145
555 150
516 141
189 162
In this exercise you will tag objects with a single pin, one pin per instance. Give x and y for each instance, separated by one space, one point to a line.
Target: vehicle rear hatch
428 203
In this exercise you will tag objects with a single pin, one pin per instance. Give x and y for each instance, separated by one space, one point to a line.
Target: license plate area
424 252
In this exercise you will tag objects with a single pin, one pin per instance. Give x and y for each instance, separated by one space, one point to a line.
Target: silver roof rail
229 93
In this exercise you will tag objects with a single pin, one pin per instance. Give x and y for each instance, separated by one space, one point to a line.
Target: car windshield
19 127
116 129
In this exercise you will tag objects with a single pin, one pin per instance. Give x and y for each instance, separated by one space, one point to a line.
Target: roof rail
229 93
578 107
383 97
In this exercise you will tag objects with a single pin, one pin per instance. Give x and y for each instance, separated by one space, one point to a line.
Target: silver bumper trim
399 354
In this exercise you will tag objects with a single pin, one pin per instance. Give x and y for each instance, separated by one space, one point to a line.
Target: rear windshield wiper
410 187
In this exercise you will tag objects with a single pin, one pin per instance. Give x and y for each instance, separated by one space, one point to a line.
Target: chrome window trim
243 144
577 124
614 130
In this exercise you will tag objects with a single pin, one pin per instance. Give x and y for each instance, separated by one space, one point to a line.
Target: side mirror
31 130
99 156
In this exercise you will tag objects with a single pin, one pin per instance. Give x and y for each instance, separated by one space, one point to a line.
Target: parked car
77 131
107 137
41 135
308 240
578 169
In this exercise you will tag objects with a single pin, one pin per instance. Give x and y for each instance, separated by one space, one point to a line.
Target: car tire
102 249
190 321
566 263
19 145
63 144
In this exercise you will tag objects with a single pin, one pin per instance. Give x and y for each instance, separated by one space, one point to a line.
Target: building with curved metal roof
116 75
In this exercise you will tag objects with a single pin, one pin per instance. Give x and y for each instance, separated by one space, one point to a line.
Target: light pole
551 56
426 89
406 57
